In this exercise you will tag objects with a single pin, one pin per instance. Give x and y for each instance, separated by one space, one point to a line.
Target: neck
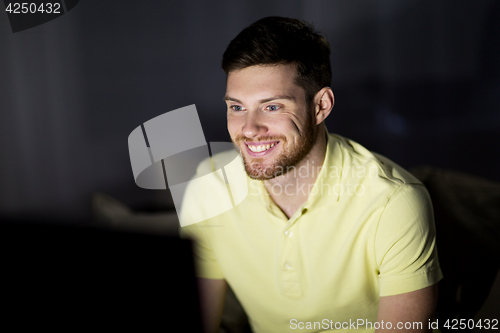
291 190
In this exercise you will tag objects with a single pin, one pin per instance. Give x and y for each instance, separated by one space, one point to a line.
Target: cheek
289 120
287 126
233 125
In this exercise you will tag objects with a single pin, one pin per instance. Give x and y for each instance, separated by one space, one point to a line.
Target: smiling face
268 119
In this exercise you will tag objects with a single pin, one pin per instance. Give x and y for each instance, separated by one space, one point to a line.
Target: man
330 235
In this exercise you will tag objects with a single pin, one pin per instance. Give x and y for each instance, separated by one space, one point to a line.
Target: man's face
268 119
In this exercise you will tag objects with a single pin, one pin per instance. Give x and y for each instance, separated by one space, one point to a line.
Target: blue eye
272 107
236 108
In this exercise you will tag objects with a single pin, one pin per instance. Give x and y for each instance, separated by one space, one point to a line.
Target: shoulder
212 165
374 165
382 183
217 161
206 195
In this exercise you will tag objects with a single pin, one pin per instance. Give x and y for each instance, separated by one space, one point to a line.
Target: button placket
290 264
290 250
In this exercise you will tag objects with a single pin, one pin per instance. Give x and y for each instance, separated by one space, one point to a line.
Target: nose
254 125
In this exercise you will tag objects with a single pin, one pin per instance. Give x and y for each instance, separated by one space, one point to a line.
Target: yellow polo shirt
366 231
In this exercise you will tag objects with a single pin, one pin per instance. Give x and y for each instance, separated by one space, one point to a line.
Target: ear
323 104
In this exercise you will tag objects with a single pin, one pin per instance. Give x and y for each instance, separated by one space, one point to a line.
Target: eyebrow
229 98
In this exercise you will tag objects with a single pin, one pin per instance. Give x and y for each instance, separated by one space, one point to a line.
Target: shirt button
288 233
288 265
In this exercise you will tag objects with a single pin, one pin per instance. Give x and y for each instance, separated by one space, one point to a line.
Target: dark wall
417 81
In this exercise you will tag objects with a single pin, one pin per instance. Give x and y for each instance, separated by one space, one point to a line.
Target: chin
262 175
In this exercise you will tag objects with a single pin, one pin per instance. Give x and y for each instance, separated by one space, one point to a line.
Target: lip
260 143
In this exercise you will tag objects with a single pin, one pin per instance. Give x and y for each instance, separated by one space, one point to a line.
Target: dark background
417 81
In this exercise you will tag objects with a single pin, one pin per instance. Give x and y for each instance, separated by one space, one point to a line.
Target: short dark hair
279 40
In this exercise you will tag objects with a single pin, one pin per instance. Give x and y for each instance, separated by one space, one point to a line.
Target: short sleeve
205 262
405 242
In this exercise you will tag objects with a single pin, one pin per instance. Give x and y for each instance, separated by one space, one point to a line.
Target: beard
291 154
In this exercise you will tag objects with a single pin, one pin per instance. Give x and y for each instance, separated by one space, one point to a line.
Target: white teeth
258 149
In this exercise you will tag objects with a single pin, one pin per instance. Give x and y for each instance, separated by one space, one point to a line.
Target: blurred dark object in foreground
467 214
62 277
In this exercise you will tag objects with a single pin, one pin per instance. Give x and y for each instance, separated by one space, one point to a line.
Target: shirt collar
326 189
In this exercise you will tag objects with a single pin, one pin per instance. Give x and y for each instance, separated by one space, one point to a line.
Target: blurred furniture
110 212
467 215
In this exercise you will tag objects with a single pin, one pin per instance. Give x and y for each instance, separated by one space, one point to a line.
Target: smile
258 149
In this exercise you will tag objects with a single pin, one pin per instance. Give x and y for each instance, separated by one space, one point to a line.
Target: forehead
263 81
